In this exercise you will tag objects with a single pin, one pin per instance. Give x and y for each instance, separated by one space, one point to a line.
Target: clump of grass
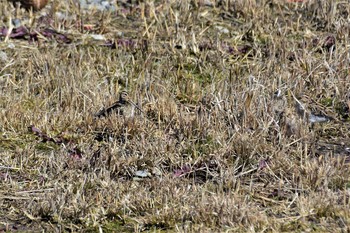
210 145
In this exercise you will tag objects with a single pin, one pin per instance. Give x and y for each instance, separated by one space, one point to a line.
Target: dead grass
216 148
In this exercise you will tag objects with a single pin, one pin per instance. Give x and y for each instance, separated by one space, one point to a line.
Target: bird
295 114
116 106
305 107
34 5
311 111
120 107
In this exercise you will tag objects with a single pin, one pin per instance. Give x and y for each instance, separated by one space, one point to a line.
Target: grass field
236 117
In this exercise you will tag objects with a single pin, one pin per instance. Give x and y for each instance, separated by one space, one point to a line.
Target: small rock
97 37
11 46
143 174
223 29
3 56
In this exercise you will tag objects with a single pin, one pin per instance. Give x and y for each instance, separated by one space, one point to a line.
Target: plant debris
236 116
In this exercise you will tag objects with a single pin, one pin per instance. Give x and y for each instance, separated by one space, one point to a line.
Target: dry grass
220 150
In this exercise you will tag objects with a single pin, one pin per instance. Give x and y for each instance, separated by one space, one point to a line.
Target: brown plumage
116 106
35 5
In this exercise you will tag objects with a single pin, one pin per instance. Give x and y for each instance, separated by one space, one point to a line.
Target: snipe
34 5
118 106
